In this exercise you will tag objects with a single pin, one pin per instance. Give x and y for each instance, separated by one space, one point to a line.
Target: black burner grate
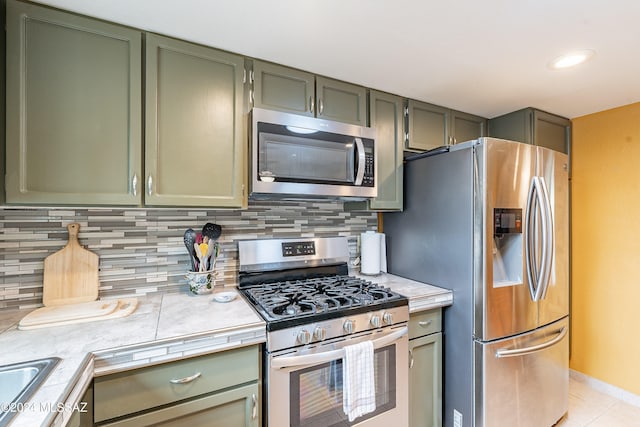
291 298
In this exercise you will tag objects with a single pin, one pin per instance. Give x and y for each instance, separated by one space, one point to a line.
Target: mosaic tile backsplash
142 251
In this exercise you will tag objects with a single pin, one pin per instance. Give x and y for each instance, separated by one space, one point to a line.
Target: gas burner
296 282
305 297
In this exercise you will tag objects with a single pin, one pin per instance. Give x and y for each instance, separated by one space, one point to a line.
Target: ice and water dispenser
507 247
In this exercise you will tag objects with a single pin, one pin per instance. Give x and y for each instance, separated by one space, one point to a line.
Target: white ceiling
484 57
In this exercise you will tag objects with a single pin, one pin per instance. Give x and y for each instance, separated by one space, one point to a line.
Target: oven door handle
327 356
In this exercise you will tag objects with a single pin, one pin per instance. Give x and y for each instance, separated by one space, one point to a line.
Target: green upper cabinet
533 127
276 87
194 125
73 118
427 126
466 127
430 126
284 89
340 101
386 113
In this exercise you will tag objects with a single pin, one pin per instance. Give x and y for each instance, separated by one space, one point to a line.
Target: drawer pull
186 380
424 324
410 359
254 410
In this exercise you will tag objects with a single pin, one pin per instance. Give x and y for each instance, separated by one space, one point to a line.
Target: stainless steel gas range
313 310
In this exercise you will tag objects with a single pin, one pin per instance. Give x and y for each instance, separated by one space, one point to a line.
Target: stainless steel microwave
301 156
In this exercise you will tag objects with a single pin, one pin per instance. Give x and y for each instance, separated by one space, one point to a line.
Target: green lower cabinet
220 389
233 408
84 418
425 369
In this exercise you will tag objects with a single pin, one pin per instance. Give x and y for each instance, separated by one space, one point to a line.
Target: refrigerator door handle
536 209
503 352
548 232
529 246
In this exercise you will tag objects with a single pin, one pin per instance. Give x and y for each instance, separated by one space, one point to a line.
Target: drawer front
425 323
133 391
238 407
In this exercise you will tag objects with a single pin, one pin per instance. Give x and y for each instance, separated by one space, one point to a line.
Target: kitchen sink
19 381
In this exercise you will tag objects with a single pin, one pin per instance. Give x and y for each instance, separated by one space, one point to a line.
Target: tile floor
589 407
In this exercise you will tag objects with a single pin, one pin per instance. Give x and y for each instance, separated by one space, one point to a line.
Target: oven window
316 392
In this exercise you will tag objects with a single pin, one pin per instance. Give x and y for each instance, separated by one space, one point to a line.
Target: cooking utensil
201 252
189 241
210 251
71 274
212 231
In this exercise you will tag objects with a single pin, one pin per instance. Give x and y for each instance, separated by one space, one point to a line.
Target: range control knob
349 326
320 333
388 318
304 337
375 321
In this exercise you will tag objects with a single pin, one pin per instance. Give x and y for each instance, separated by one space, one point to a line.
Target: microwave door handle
327 356
361 161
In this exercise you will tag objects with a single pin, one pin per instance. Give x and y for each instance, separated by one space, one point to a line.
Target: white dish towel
358 380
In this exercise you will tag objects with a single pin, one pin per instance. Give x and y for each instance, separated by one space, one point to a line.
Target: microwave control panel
368 180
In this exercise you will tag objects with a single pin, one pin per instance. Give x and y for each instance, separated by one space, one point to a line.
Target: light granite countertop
422 296
163 328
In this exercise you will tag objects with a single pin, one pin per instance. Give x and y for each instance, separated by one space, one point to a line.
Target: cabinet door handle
320 106
410 359
149 185
424 324
134 184
311 104
186 380
254 410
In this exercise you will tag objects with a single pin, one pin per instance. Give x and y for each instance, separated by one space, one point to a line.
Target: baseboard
602 387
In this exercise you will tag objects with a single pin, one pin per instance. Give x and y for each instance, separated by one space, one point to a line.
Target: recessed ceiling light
571 59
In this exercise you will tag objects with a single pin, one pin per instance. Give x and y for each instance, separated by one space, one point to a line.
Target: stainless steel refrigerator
488 219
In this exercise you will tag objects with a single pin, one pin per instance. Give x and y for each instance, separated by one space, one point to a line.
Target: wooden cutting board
64 314
59 313
71 274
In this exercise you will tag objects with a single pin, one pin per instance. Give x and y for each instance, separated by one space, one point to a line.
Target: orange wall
606 246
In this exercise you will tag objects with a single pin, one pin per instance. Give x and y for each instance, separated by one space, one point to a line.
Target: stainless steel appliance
303 156
489 220
313 309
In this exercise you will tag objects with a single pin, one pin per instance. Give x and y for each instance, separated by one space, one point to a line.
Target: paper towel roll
372 253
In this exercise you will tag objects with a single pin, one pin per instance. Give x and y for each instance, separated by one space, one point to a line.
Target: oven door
304 386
